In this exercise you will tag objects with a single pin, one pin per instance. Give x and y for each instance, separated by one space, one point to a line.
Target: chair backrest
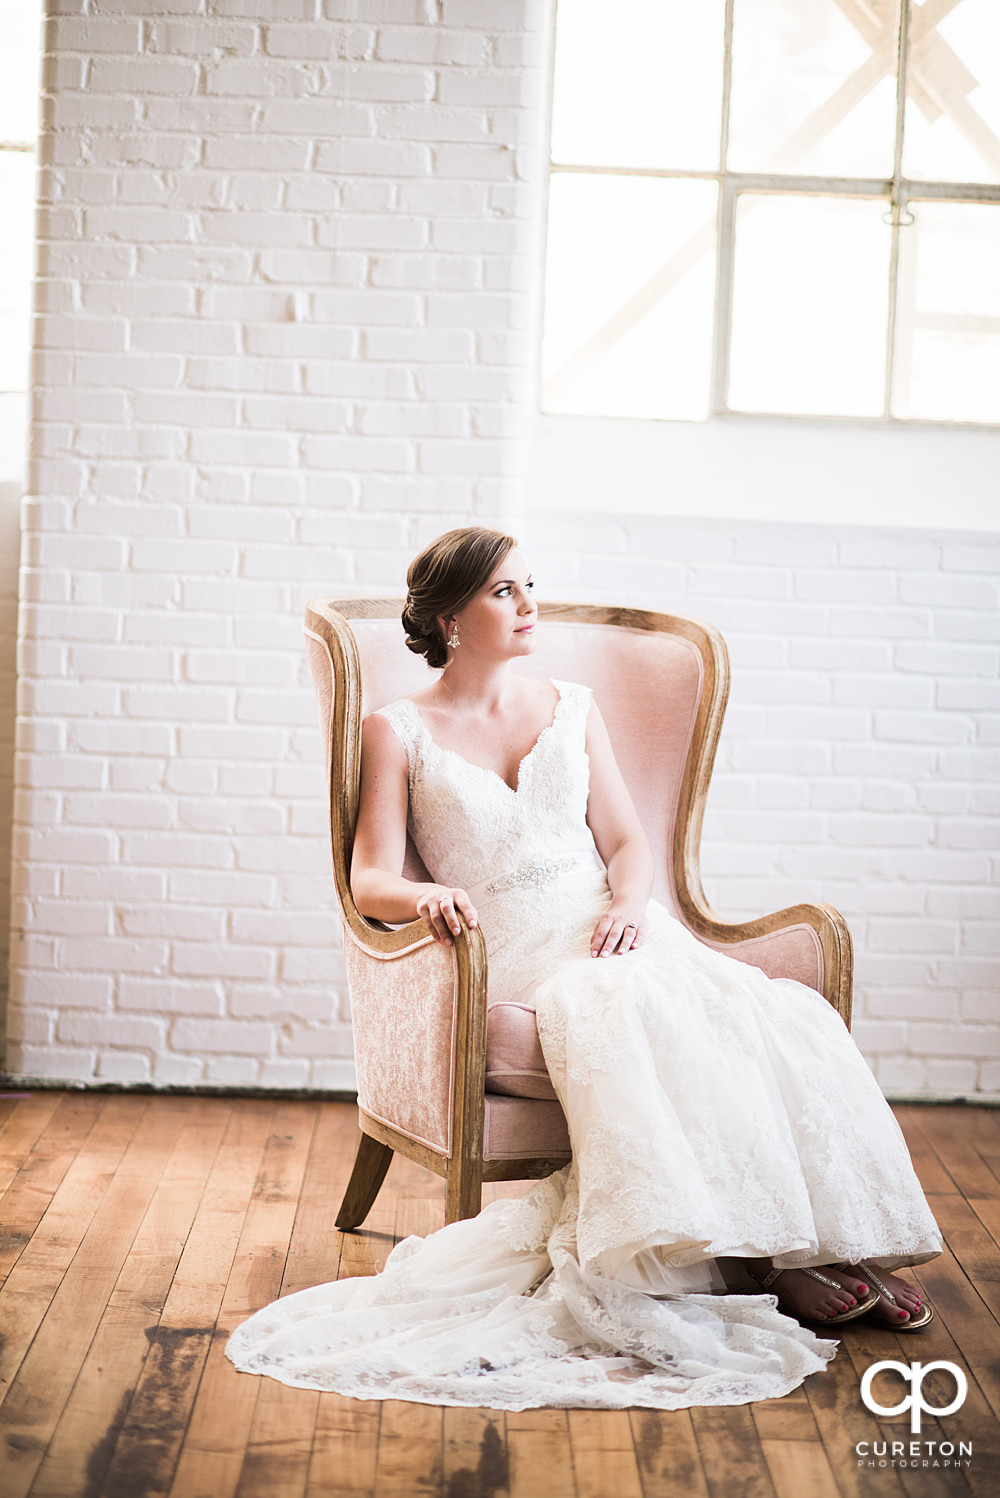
660 680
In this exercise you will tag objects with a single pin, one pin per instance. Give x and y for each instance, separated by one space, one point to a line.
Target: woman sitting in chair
723 1123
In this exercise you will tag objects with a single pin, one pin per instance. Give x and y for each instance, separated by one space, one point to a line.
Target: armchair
462 1093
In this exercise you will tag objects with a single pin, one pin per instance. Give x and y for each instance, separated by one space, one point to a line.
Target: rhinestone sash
536 875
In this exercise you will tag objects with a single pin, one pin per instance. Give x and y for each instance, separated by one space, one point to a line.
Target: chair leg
370 1165
463 1190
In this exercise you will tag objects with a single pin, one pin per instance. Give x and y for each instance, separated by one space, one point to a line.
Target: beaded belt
535 875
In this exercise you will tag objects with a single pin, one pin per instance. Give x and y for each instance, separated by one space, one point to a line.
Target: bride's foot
810 1299
909 1304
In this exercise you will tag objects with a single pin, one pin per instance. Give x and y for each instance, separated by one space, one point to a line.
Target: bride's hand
618 931
438 907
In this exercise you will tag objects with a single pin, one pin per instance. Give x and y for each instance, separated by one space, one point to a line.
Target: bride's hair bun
423 636
443 578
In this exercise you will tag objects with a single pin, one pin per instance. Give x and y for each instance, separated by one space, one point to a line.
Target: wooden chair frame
328 625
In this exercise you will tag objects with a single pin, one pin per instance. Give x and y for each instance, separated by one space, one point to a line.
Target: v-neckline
486 769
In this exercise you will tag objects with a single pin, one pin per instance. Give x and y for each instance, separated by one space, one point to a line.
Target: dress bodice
474 831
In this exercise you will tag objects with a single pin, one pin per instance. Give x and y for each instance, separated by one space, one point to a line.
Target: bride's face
500 620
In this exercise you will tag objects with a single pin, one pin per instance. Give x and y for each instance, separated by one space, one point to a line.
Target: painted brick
66 33
114 954
124 1066
982 555
203 925
968 624
923 728
59 992
979 1007
337 1075
943 589
264 1001
206 959
892 551
970 1041
940 659
910 936
310 1040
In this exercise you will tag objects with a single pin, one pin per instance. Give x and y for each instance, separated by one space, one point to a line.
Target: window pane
19 38
638 83
814 87
947 361
17 191
630 280
953 95
810 303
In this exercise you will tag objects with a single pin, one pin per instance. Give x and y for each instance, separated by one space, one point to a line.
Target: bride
725 1128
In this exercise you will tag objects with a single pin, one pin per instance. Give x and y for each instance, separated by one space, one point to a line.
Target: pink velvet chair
460 1090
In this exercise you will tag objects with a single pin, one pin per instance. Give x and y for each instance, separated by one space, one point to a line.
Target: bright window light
782 207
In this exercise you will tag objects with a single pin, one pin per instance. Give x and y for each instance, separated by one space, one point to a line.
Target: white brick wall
284 284
860 760
288 252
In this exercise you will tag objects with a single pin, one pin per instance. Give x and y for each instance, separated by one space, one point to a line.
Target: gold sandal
849 1315
865 1271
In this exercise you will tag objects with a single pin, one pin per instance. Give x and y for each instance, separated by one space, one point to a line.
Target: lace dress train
715 1114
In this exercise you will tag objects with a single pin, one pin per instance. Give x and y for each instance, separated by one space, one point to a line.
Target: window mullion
723 294
890 347
897 209
727 84
725 233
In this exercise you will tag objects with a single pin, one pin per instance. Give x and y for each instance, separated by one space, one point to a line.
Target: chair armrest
809 942
419 1019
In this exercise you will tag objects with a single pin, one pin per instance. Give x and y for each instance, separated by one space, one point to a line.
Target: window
775 206
19 29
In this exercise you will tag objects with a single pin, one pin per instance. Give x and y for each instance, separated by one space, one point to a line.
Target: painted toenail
904 1316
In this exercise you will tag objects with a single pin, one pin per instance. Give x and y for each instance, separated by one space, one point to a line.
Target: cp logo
914 1401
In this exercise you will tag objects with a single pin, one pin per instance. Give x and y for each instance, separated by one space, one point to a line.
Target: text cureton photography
914 1454
929 1453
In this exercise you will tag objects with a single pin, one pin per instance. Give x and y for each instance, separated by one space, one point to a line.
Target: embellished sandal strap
880 1285
768 1279
824 1279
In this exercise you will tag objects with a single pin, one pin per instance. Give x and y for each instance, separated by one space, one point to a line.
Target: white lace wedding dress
715 1113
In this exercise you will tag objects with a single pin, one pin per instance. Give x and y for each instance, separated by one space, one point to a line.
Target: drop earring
453 639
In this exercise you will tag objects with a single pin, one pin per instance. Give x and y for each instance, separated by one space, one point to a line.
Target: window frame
897 191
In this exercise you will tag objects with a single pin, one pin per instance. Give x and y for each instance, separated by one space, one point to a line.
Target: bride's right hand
438 907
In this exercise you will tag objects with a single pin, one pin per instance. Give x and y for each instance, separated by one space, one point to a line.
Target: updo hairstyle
442 580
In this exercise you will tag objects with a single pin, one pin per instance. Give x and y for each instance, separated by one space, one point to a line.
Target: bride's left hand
617 932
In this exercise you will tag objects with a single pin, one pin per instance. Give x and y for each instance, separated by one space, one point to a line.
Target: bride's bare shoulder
380 738
537 691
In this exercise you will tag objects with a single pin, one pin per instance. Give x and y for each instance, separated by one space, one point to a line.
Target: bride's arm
622 845
379 889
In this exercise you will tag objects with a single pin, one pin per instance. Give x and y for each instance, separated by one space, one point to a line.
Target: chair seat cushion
528 1129
515 1065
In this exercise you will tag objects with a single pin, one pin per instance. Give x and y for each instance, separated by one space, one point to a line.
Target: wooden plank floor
137 1231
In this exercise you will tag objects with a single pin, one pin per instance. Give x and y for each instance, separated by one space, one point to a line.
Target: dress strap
404 719
575 703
